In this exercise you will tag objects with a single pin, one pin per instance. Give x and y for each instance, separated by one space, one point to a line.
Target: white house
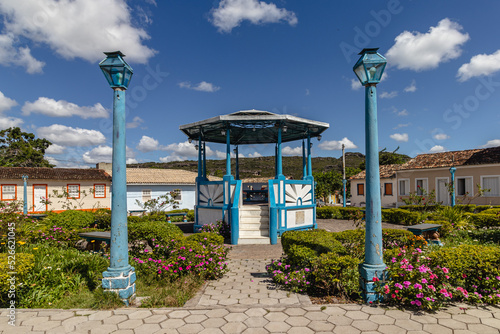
144 184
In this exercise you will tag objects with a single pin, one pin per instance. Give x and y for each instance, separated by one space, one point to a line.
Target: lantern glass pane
361 74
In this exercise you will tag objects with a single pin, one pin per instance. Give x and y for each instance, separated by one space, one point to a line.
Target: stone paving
246 284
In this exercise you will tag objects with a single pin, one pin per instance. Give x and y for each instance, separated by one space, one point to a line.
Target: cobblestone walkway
246 284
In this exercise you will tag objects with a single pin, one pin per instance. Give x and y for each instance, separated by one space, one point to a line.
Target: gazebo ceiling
253 127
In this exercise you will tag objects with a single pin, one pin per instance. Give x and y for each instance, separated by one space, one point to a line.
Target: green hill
262 166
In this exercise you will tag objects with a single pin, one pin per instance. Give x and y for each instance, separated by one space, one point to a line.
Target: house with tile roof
388 187
475 169
85 189
144 184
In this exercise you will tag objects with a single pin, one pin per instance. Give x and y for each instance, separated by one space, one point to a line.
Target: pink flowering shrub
220 227
414 281
289 279
183 257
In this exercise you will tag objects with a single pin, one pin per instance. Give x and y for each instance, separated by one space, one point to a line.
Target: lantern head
116 70
370 66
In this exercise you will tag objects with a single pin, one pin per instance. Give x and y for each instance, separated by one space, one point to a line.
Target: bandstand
285 204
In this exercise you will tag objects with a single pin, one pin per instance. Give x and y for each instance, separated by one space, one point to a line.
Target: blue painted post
279 164
25 194
344 185
309 160
204 173
200 168
452 171
273 225
228 152
237 163
304 164
120 276
373 266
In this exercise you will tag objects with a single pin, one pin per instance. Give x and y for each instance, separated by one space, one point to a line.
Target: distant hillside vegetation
262 166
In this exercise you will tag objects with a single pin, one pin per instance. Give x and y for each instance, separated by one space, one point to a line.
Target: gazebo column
200 170
304 164
204 161
309 161
228 178
279 164
237 172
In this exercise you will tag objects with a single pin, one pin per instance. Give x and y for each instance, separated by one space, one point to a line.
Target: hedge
400 216
154 233
24 263
335 212
421 208
485 220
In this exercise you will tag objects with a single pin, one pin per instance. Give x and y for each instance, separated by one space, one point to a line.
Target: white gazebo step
254 241
254 220
254 213
254 233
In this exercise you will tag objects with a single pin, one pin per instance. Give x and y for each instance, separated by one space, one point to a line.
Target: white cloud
231 13
9 122
412 88
61 108
68 136
135 122
105 154
423 51
72 29
6 103
355 84
402 137
55 149
441 136
10 54
403 112
254 155
492 143
386 95
201 87
480 65
287 150
148 144
401 126
437 149
337 144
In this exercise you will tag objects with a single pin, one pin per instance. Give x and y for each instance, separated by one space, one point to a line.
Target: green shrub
154 232
394 238
320 241
492 211
481 208
400 217
466 207
485 236
348 213
336 275
22 266
134 219
469 266
206 238
353 242
71 219
421 208
485 220
102 219
327 212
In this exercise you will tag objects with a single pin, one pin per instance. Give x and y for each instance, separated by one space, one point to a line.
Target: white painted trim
483 176
472 185
448 168
427 184
399 190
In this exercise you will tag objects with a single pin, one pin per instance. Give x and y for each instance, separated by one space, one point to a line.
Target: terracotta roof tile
162 176
42 173
455 158
386 172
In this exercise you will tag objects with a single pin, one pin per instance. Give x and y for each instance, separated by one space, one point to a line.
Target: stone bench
427 231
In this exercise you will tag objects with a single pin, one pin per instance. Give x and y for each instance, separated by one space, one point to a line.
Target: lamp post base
366 274
121 282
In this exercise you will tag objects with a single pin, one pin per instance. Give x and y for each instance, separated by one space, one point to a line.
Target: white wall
134 192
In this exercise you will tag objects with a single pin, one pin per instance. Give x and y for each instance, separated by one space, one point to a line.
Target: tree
21 149
388 158
328 182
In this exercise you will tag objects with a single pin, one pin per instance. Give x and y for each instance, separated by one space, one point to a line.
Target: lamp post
369 69
344 181
120 276
25 194
452 171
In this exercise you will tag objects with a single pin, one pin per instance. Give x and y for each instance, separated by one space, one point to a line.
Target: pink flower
445 270
424 281
375 279
406 284
420 295
417 286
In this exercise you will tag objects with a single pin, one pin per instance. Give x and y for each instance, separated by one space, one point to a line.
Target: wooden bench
96 236
426 230
183 214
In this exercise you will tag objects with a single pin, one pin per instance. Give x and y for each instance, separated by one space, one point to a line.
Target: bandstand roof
253 127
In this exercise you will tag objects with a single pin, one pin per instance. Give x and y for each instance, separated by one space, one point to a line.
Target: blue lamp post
25 194
369 69
120 276
452 171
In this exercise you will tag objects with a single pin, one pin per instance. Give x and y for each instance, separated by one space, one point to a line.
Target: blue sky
195 59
